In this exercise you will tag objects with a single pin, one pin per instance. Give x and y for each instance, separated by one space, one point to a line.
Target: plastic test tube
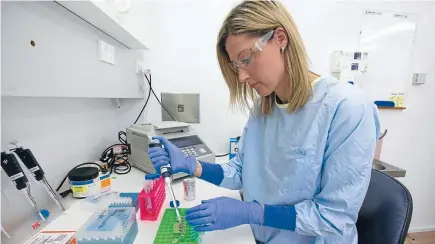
148 187
148 184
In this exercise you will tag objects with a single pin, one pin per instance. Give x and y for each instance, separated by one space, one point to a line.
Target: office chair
386 212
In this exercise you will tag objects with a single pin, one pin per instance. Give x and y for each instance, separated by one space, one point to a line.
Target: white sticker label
52 238
16 176
32 170
149 204
234 147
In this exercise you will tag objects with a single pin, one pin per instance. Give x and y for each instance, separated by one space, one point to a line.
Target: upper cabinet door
119 19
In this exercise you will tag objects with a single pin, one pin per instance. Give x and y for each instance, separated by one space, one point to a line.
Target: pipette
26 156
6 233
166 172
13 169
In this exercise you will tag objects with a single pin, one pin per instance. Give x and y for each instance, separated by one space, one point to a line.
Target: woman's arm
227 175
345 176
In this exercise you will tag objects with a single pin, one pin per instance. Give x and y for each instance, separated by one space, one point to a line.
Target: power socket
418 78
139 67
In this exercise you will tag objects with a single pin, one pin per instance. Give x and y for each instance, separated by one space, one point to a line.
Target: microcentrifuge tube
147 186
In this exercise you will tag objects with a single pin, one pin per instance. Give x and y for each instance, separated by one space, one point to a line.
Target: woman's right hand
172 155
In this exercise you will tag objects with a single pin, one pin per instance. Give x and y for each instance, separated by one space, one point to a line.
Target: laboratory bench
75 216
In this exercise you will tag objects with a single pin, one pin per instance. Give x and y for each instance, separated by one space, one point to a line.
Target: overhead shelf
94 15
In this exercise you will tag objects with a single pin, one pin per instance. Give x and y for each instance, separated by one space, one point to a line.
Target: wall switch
106 52
418 78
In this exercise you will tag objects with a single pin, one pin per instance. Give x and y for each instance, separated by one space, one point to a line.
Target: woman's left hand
223 213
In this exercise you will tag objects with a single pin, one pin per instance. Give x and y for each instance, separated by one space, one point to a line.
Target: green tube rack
171 233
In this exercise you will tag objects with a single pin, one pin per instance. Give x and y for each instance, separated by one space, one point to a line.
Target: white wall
62 133
183 59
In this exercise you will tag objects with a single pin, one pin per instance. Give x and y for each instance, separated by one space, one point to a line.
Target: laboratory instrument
182 107
189 189
150 203
28 159
166 173
109 226
14 171
171 231
180 134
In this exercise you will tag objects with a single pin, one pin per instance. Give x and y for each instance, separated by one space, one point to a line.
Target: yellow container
393 98
400 100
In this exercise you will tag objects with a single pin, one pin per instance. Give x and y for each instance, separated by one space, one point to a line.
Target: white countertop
75 216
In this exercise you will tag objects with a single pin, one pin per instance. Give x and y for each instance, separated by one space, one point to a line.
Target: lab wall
183 59
62 133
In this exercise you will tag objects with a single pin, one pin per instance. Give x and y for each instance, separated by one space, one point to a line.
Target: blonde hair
257 18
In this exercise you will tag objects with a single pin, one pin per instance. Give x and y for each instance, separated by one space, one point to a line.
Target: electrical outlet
139 67
418 78
106 52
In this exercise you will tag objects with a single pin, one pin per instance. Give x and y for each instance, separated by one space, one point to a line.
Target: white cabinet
120 19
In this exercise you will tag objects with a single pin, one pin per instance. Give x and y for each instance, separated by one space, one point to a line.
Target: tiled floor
421 238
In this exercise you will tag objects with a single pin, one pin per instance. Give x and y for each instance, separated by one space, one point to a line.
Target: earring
282 49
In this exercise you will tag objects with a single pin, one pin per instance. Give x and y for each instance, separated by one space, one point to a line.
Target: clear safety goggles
246 58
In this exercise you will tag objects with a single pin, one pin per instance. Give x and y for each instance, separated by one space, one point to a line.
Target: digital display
185 141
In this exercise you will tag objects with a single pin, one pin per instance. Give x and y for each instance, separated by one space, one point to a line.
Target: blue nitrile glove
179 161
223 213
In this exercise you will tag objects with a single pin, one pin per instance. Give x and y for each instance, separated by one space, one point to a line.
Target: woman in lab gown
305 155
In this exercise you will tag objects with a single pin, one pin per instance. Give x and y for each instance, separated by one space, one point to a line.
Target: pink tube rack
151 203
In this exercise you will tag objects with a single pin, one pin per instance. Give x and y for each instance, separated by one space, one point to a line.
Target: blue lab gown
318 159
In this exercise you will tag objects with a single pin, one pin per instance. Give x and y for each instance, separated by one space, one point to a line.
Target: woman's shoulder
333 92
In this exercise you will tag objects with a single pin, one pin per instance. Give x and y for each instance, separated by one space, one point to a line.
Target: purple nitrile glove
223 213
172 155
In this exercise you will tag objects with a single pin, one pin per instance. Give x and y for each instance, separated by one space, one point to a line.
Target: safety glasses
246 58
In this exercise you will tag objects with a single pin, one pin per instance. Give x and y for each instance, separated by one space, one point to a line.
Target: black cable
146 102
222 155
122 140
65 193
158 100
112 160
120 169
103 155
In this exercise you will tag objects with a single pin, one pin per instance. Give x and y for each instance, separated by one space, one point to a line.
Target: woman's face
263 70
